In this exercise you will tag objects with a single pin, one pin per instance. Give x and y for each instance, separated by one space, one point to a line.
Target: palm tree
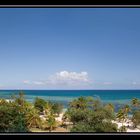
97 104
80 103
126 109
3 102
65 118
135 102
32 118
110 107
51 122
48 109
136 119
121 115
20 100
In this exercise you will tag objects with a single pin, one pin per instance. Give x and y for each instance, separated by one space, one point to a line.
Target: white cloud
38 83
69 78
62 79
33 82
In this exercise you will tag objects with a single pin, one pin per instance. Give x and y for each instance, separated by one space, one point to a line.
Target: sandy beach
128 124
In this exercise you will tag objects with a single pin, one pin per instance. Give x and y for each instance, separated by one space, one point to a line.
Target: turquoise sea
116 97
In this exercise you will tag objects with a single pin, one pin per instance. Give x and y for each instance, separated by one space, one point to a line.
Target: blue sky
69 48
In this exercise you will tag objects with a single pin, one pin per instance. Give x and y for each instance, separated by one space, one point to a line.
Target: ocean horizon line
66 89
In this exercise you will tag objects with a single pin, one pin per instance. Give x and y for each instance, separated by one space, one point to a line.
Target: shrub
39 104
122 129
136 118
57 108
91 119
11 120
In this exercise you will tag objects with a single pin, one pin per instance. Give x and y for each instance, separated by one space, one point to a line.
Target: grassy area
58 129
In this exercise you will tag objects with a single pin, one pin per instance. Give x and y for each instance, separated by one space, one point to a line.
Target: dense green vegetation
13 115
84 114
42 105
136 118
18 115
89 115
39 104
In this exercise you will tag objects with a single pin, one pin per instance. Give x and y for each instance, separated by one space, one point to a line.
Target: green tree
136 118
81 103
48 108
32 118
50 123
135 102
57 108
3 102
122 129
110 107
97 105
11 119
19 124
82 127
121 115
77 115
126 110
39 104
94 122
93 117
20 100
